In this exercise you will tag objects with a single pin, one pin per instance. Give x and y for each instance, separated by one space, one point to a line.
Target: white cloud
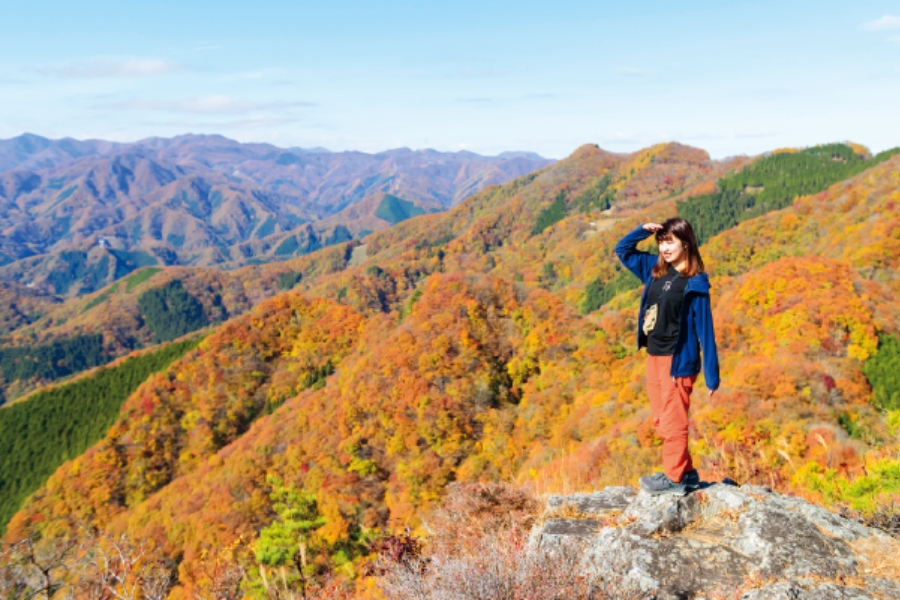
885 22
210 105
93 69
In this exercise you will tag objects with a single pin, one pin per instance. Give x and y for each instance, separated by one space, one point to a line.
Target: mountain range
77 215
492 341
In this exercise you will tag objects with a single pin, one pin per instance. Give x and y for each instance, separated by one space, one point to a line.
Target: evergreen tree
883 373
171 312
285 546
597 293
772 183
54 360
288 280
551 215
596 196
50 427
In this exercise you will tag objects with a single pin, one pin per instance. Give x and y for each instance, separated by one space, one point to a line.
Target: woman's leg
673 426
658 369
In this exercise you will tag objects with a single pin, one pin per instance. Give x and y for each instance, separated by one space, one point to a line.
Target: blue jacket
696 326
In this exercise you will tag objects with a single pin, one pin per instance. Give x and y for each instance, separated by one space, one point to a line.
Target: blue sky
730 77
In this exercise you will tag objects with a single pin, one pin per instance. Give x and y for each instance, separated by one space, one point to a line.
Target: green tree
596 196
171 312
41 432
551 215
883 373
597 293
283 547
54 360
772 183
549 275
288 280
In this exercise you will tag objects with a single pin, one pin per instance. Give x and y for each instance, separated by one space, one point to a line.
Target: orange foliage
458 358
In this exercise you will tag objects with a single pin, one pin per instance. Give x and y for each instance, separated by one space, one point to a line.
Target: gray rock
715 541
598 503
579 516
807 590
570 527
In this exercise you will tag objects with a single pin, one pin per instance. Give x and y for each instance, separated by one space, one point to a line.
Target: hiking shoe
691 479
658 484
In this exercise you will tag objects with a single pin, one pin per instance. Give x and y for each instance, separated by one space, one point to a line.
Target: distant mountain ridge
204 200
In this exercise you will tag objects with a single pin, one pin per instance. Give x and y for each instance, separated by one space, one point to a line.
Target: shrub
478 549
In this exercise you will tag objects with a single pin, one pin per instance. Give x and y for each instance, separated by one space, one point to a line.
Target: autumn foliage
452 355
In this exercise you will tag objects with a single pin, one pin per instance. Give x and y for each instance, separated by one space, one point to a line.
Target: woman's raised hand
652 226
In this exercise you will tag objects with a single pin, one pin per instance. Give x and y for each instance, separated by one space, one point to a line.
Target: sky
732 77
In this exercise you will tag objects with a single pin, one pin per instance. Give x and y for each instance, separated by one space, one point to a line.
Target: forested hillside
773 182
78 215
115 312
52 426
495 341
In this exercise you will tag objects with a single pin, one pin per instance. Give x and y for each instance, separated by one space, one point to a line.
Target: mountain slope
199 200
459 355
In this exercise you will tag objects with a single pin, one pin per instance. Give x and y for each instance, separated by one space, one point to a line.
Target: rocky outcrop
722 541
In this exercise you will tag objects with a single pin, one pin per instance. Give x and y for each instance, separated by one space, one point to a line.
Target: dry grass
757 580
501 567
878 558
471 511
478 550
570 512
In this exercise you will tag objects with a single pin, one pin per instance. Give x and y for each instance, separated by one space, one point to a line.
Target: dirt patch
358 255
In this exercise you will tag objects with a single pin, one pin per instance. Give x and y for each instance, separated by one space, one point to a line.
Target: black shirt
668 290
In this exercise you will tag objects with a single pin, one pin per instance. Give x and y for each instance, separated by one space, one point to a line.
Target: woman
675 322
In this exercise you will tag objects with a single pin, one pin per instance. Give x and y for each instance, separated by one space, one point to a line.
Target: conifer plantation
772 183
54 360
40 432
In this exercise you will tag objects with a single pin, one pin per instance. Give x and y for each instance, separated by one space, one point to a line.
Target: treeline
53 426
54 360
772 183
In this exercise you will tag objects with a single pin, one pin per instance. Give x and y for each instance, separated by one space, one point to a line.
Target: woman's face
672 249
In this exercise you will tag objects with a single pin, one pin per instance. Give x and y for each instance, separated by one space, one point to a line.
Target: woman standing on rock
675 322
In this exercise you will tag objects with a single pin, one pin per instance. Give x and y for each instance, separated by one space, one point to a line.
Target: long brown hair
682 230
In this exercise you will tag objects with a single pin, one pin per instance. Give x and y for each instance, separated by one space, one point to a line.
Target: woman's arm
703 322
639 263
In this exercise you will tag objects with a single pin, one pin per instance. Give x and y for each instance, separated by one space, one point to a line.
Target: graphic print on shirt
670 296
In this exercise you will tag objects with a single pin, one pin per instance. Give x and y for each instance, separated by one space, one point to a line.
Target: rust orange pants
670 399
